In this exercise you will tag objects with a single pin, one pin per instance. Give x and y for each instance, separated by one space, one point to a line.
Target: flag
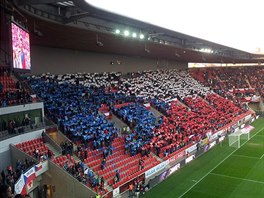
20 187
38 167
30 175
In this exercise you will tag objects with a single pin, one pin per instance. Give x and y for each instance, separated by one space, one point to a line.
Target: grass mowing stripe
232 177
246 156
219 164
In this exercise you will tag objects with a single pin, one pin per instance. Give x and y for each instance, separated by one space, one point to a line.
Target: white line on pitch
262 156
219 164
243 179
250 157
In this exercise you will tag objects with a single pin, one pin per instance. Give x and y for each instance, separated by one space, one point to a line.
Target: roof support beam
36 2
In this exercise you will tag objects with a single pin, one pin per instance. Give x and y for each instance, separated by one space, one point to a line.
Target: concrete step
119 124
157 157
156 112
56 153
77 159
181 103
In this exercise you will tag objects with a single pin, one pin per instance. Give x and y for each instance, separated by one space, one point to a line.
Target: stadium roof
79 25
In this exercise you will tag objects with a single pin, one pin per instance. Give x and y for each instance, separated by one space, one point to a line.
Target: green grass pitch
221 172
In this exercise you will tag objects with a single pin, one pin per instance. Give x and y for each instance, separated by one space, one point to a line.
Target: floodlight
117 31
141 36
134 35
126 33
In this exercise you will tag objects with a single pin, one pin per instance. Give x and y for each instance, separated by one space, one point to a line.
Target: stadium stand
36 148
11 91
240 81
10 175
159 86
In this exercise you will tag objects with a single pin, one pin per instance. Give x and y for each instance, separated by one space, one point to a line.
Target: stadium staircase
206 101
182 104
119 124
55 151
249 85
156 113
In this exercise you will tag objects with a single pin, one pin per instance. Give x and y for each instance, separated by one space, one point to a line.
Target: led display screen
20 48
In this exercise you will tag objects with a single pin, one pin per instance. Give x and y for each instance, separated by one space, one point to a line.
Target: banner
247 129
27 178
212 144
191 149
156 169
177 156
221 139
41 168
247 117
213 136
174 168
116 192
169 171
189 159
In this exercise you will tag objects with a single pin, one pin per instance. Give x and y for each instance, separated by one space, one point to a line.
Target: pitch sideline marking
219 164
243 179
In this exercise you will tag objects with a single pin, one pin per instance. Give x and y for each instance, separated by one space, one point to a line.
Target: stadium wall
65 185
17 154
5 155
5 159
62 61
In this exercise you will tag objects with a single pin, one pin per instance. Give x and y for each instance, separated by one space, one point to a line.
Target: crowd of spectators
10 175
16 125
137 187
141 121
84 175
12 92
67 147
191 109
75 109
222 80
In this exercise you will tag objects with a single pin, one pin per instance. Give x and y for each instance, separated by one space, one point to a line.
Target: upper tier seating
230 78
36 148
11 92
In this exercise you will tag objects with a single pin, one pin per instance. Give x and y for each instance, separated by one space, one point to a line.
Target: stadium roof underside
81 26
